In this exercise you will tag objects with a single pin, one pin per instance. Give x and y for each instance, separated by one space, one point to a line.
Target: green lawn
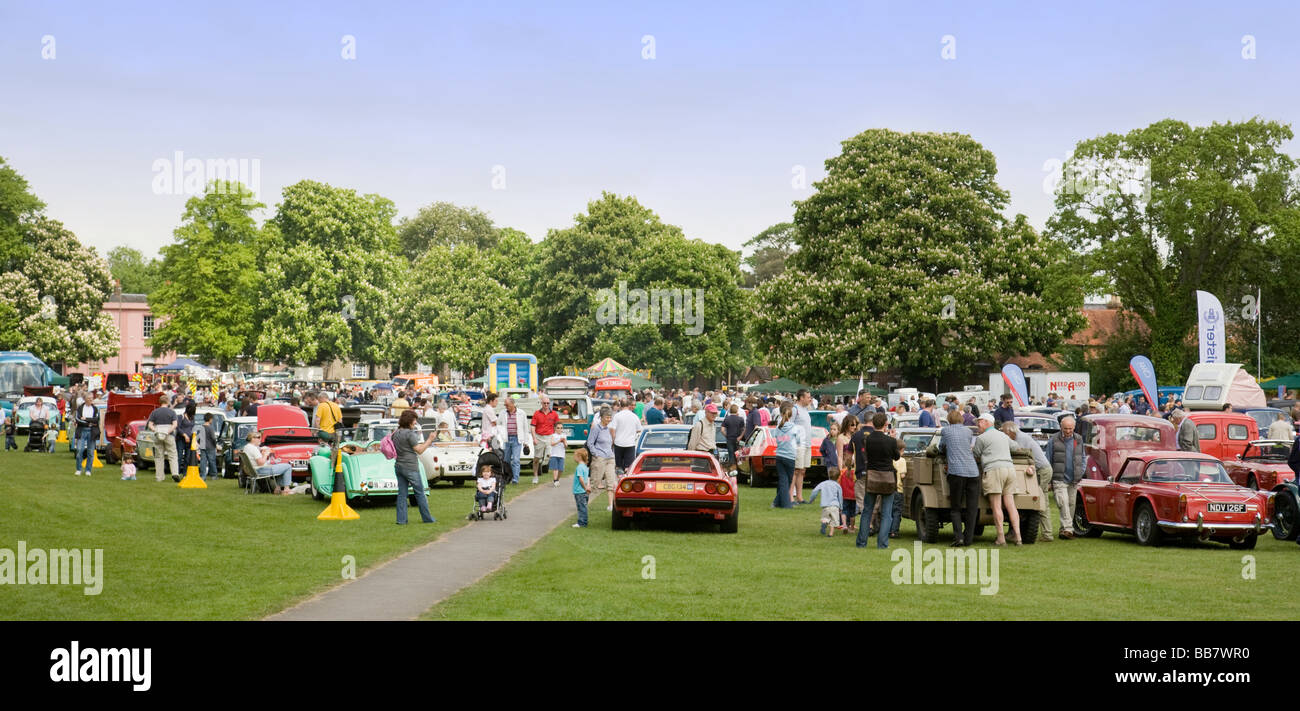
779 568
171 553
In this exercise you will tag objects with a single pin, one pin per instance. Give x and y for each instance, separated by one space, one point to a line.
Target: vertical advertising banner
1015 379
1145 373
1209 320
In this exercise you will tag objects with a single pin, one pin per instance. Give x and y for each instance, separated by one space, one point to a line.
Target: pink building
135 322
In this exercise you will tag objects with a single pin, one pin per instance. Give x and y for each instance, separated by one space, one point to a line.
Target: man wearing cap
703 437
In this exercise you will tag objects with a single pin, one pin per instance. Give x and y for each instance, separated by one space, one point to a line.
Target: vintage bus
568 395
20 369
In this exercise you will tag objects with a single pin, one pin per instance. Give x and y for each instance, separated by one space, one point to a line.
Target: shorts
831 515
803 458
999 480
602 473
623 457
557 465
850 510
541 445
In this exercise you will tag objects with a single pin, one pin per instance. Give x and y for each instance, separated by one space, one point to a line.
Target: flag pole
1259 331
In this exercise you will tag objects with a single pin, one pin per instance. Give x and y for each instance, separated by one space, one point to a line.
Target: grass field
175 554
779 568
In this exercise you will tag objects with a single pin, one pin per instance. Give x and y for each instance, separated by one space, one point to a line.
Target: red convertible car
1262 466
756 459
1158 494
680 484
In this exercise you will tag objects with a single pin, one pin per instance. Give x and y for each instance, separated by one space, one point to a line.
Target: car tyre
1246 545
458 482
731 523
1286 516
1029 523
1081 525
315 493
619 522
1144 526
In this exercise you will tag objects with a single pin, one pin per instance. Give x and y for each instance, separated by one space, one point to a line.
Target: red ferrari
1262 466
677 483
1159 494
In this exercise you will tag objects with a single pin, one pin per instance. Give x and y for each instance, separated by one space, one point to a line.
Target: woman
789 439
406 440
600 441
848 426
87 418
489 420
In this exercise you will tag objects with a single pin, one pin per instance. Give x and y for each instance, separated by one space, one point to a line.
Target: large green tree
212 286
446 225
18 208
135 273
619 246
52 303
1166 210
329 258
905 261
770 250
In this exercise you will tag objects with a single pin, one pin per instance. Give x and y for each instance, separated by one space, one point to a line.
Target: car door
1120 493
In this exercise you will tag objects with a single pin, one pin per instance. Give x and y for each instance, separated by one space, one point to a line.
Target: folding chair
251 475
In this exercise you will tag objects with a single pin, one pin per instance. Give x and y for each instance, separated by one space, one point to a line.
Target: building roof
128 299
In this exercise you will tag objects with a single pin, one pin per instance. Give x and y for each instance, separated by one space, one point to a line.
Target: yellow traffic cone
192 479
338 509
95 463
63 435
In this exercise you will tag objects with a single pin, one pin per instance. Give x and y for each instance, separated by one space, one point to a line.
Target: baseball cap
711 408
988 418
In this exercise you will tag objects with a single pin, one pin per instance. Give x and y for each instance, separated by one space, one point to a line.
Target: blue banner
1015 379
1144 372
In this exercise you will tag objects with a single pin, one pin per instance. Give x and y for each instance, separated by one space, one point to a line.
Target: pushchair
36 436
498 500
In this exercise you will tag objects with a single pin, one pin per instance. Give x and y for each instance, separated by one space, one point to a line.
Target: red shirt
544 422
846 485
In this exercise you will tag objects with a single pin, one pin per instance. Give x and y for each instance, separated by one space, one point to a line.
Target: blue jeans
898 513
581 501
85 451
283 470
886 513
410 478
784 474
208 463
513 450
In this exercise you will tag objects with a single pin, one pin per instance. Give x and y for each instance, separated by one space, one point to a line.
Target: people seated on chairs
263 461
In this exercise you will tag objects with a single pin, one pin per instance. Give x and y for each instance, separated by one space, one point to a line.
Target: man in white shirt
803 456
626 427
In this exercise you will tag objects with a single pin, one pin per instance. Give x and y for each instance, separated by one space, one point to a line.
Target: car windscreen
1272 452
1137 434
1044 424
669 463
1186 471
916 442
665 440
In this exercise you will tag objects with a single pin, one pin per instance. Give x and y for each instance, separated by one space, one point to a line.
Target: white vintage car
452 456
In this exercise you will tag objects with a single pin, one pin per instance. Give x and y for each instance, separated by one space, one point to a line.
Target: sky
717 116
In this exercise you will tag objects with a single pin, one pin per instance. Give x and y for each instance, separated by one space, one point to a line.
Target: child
487 486
581 486
832 502
557 457
848 485
11 428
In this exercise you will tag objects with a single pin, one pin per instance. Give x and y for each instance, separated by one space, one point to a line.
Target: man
207 444
803 456
445 415
400 405
703 436
326 416
1004 412
655 415
1042 466
626 426
875 452
1065 453
955 443
673 414
544 422
927 415
638 407
162 423
1188 439
1281 429
993 451
511 432
262 460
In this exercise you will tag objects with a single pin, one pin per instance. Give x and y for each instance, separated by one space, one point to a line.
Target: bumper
1201 527
647 505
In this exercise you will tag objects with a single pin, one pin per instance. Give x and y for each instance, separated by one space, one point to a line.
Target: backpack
387 447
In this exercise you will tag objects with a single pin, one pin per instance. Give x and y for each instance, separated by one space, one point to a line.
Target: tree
1168 209
210 296
617 247
71 328
771 248
129 268
328 254
447 225
18 208
905 261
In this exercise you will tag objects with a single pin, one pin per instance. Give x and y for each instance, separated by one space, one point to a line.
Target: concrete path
405 587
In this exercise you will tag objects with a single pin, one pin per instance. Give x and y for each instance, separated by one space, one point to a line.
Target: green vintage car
369 475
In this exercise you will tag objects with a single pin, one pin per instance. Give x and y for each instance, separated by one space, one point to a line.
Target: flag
1145 373
1209 315
1015 379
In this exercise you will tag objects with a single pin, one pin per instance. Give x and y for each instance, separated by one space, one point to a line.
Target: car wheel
1246 545
458 482
619 522
1144 526
1081 525
1286 516
920 515
731 523
1029 523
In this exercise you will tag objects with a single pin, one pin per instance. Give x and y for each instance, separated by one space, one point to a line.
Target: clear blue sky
706 134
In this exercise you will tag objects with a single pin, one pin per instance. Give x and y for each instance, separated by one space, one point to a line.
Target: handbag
881 482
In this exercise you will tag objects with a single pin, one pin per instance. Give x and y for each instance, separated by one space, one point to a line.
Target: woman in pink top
489 420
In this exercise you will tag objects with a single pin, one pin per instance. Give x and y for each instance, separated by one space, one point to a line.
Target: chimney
1114 302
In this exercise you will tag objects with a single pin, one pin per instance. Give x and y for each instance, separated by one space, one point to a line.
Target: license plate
1227 508
675 486
459 468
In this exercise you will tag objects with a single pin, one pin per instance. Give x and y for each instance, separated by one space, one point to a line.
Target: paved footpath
407 586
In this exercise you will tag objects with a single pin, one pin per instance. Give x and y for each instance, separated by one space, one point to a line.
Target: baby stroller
498 501
36 436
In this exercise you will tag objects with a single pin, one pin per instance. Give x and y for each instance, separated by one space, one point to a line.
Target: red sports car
1158 494
1262 466
286 432
756 459
677 483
